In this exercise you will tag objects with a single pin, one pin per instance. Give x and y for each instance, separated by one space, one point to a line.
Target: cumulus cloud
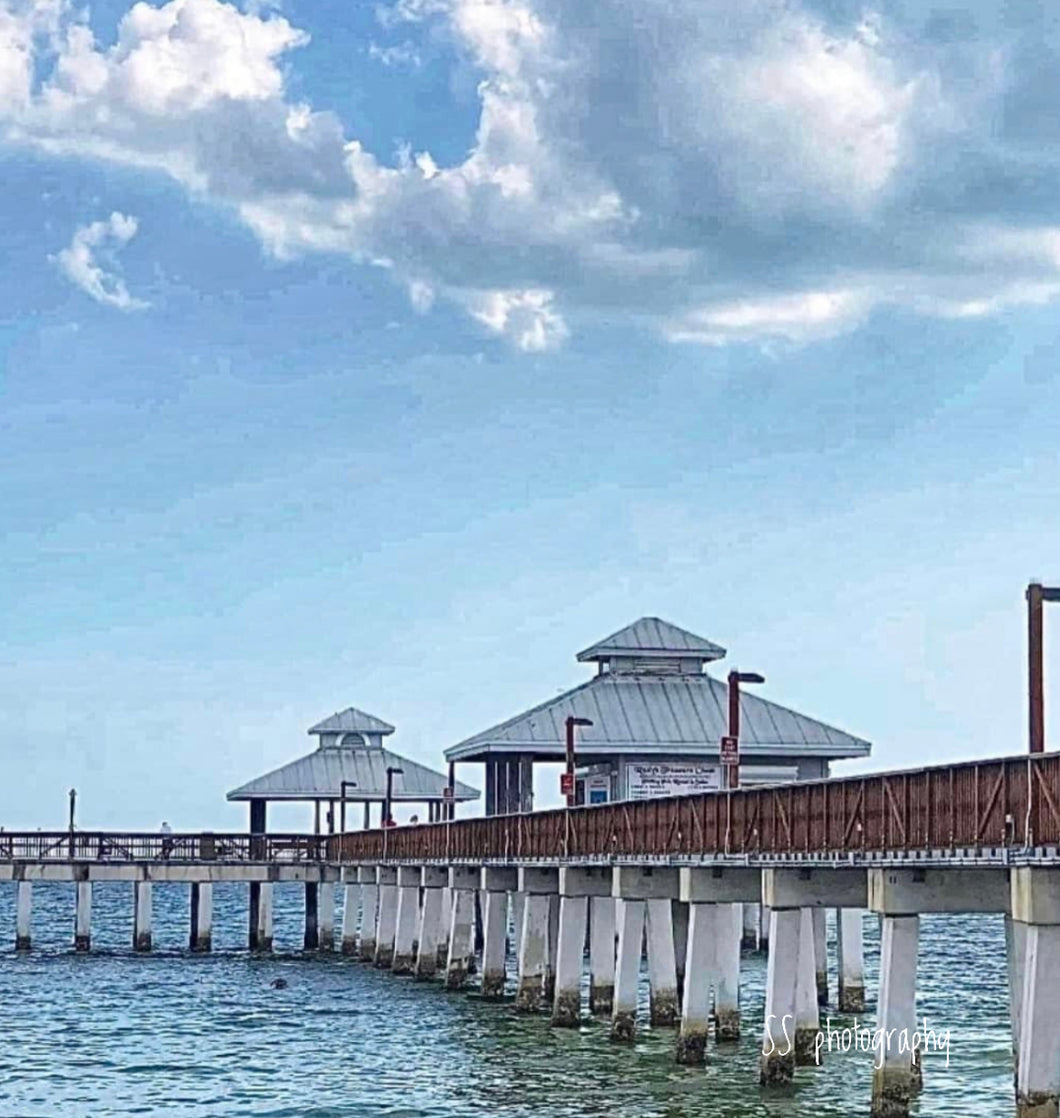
770 170
90 263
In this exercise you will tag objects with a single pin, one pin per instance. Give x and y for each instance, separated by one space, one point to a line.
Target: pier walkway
689 876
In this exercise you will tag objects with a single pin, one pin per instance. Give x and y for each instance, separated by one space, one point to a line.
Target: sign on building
645 779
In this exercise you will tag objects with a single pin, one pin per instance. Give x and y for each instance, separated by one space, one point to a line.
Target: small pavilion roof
319 776
352 721
652 637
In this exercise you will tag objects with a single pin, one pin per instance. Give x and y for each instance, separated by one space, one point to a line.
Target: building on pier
349 766
657 719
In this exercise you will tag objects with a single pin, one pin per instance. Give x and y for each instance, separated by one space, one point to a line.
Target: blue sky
744 321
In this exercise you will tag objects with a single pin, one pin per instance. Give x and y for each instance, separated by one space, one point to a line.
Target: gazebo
351 765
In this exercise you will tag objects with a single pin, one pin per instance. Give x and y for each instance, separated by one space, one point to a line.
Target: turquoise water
182 1036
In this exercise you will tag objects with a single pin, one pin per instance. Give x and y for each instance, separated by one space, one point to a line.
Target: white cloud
719 171
89 261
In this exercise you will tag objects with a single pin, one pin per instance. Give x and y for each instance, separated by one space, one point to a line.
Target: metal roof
319 776
653 637
352 721
646 713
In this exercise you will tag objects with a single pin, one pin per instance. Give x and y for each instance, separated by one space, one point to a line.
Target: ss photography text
860 1038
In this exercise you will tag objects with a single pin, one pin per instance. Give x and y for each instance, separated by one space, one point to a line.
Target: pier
676 873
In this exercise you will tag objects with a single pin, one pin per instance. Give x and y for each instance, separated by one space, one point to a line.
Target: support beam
462 882
630 921
727 929
778 1041
1016 957
749 936
601 956
366 875
850 948
326 916
83 917
662 964
680 924
350 913
408 919
807 1015
699 970
533 953
200 934
820 954
142 916
495 944
447 920
386 877
24 916
893 1081
263 931
433 881
311 937
567 1001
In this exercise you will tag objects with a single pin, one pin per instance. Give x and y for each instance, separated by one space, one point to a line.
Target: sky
387 354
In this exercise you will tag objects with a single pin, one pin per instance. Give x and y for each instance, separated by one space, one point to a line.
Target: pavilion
350 765
657 723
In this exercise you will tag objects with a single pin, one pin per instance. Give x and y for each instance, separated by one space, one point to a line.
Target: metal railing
107 846
1011 802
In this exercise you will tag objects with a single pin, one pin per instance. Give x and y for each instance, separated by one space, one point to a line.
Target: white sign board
645 780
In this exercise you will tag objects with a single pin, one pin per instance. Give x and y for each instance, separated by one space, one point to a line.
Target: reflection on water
208 1037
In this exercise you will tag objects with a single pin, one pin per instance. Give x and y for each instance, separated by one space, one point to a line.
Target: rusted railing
1012 802
101 846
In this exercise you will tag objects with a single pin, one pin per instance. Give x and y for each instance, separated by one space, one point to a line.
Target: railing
101 846
1011 802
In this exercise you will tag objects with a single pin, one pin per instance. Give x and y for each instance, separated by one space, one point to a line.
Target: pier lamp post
731 746
568 778
343 785
391 772
73 809
1037 595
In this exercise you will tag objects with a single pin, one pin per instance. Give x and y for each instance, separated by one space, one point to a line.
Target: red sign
566 784
730 751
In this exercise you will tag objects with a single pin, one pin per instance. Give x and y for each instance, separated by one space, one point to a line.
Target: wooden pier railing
109 846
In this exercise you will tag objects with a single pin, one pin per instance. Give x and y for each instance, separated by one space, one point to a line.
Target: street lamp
730 745
343 785
1036 596
568 778
73 808
391 772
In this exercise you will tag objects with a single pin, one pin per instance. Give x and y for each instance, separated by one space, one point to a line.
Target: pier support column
778 1047
83 918
386 876
820 954
366 876
1035 902
728 928
851 960
549 992
447 920
24 916
311 936
496 885
141 915
763 930
630 920
662 963
601 956
807 1013
262 940
539 886
893 1082
518 905
408 919
1016 957
349 918
463 884
200 935
433 880
699 969
749 931
680 918
326 916
576 886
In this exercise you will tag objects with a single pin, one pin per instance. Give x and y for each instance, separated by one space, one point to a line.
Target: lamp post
343 785
391 772
568 777
1037 595
730 746
73 809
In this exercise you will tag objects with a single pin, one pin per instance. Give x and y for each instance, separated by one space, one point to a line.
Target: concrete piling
326 916
807 1013
567 1000
200 934
447 920
83 917
849 943
539 887
141 915
496 884
386 927
727 931
680 926
749 929
463 883
778 1047
664 1007
893 1082
24 916
433 881
763 929
699 970
407 921
1016 957
549 991
311 936
601 956
820 954
263 936
366 876
350 912
630 920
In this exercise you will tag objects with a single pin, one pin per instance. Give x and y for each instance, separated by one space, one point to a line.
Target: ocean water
170 1034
